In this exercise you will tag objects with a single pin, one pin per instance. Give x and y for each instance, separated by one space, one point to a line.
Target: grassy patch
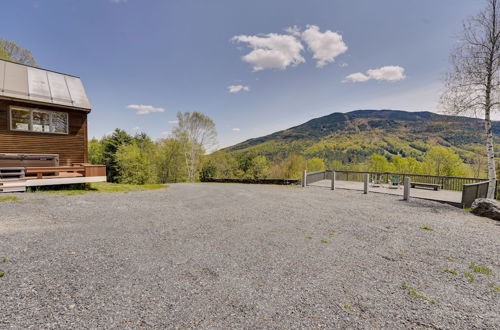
309 237
468 209
480 269
451 271
105 187
469 276
426 228
2 274
9 198
324 241
495 287
412 292
348 308
331 234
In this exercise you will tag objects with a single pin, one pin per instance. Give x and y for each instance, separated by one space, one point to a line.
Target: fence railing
446 182
473 191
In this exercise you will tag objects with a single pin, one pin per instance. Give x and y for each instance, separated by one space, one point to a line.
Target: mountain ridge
389 132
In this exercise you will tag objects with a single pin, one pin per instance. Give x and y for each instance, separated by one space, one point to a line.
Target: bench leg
39 175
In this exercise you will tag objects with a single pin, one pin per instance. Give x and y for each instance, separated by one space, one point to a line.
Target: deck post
367 178
406 192
333 180
304 178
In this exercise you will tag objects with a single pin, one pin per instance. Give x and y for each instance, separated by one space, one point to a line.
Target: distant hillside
353 136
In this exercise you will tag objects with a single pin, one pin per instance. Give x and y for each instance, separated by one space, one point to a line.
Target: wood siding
71 148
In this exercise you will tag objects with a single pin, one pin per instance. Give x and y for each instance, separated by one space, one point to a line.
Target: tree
315 164
378 163
259 168
111 144
197 133
473 84
96 151
136 162
9 50
170 161
443 161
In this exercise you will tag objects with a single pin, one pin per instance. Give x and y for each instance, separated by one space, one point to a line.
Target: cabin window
40 121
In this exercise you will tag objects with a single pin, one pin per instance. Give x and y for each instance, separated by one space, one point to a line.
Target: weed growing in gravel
412 292
494 287
5 259
480 269
9 198
426 228
348 308
451 271
469 276
451 259
331 234
324 241
309 237
2 274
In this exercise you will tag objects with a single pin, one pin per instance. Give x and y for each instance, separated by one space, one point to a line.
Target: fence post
406 192
304 178
333 180
367 178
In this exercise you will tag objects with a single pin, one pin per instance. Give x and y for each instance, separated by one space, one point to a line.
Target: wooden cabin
43 129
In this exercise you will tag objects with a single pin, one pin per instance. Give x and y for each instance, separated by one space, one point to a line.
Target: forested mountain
352 137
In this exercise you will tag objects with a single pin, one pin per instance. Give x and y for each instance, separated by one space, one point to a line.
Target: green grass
106 187
2 274
324 241
480 269
9 198
451 271
469 276
495 287
426 228
5 259
309 237
331 234
348 308
412 292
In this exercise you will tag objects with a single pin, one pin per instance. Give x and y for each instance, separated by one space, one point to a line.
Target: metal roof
27 83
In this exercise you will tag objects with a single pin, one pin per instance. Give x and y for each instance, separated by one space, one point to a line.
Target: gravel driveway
245 256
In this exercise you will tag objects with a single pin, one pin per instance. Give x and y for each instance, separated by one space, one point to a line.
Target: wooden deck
445 196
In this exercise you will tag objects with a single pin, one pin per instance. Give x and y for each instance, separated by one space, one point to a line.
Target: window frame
30 123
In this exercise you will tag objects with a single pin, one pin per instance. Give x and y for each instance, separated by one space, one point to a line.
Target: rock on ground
485 207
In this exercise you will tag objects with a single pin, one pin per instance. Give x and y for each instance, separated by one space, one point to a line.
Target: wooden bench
434 186
40 171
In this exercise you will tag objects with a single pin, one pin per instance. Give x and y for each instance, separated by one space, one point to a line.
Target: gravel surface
244 256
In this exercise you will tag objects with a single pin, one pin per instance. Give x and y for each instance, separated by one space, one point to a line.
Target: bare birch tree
473 84
197 134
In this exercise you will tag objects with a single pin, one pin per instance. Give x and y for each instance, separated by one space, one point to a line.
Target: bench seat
434 186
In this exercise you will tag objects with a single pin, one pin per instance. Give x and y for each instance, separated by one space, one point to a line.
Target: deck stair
12 185
12 173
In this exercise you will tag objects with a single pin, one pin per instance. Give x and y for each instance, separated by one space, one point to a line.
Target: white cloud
144 109
173 121
166 133
293 30
387 73
236 129
357 77
325 46
344 65
238 88
272 51
390 73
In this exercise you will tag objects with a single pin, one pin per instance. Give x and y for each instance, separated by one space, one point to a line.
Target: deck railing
446 182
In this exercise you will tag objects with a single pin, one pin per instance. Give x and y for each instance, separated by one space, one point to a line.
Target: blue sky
164 56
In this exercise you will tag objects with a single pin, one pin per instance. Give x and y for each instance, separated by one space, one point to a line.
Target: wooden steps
12 173
12 185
